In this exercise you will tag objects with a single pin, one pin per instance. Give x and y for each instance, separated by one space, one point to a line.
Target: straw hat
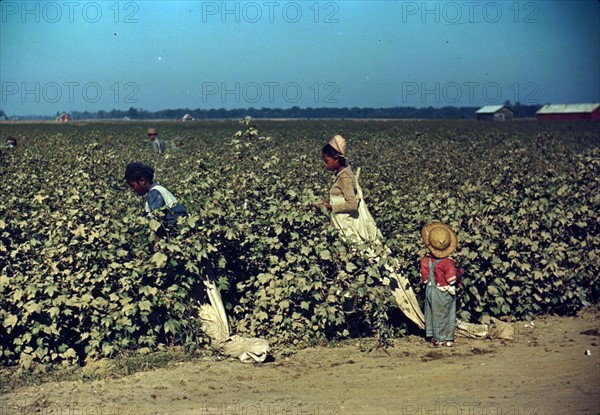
439 238
151 131
339 143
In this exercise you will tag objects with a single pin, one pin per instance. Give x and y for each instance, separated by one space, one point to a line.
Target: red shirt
444 271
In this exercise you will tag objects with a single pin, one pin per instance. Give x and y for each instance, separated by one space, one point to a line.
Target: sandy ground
545 370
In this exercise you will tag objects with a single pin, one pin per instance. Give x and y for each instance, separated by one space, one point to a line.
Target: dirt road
546 370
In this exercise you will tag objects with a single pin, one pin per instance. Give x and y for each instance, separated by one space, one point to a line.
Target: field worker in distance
177 144
439 273
342 196
10 142
140 178
158 144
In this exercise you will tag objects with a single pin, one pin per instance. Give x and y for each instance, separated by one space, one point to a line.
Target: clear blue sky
86 55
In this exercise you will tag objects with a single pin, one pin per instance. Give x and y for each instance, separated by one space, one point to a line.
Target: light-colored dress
349 212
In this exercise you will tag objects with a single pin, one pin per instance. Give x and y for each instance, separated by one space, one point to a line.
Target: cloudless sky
99 55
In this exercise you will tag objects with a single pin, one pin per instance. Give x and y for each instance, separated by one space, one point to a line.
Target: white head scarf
339 143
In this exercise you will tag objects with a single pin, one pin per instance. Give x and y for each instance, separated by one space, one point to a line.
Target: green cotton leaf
261 316
126 308
80 231
107 349
526 267
350 267
325 254
33 307
53 311
41 352
191 267
173 248
159 259
17 295
493 290
563 190
148 290
145 305
172 326
70 354
50 290
10 321
155 225
4 281
263 278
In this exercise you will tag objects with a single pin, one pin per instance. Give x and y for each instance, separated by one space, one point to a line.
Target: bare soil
550 368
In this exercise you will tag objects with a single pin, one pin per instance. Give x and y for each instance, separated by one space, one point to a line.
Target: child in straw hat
439 273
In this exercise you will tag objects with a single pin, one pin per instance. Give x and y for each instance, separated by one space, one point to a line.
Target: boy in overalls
439 273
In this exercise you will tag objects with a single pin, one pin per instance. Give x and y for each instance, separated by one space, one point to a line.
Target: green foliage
82 275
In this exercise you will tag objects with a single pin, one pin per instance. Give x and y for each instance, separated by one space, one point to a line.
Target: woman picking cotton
343 194
350 215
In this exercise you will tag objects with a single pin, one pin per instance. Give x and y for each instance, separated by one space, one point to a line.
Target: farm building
569 112
494 113
187 117
63 117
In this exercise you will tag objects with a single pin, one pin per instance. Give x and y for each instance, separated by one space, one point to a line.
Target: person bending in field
350 215
10 142
348 212
439 274
140 178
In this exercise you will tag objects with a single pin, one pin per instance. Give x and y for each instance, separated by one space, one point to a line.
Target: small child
439 273
140 179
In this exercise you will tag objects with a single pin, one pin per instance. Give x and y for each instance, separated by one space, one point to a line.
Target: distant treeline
520 111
